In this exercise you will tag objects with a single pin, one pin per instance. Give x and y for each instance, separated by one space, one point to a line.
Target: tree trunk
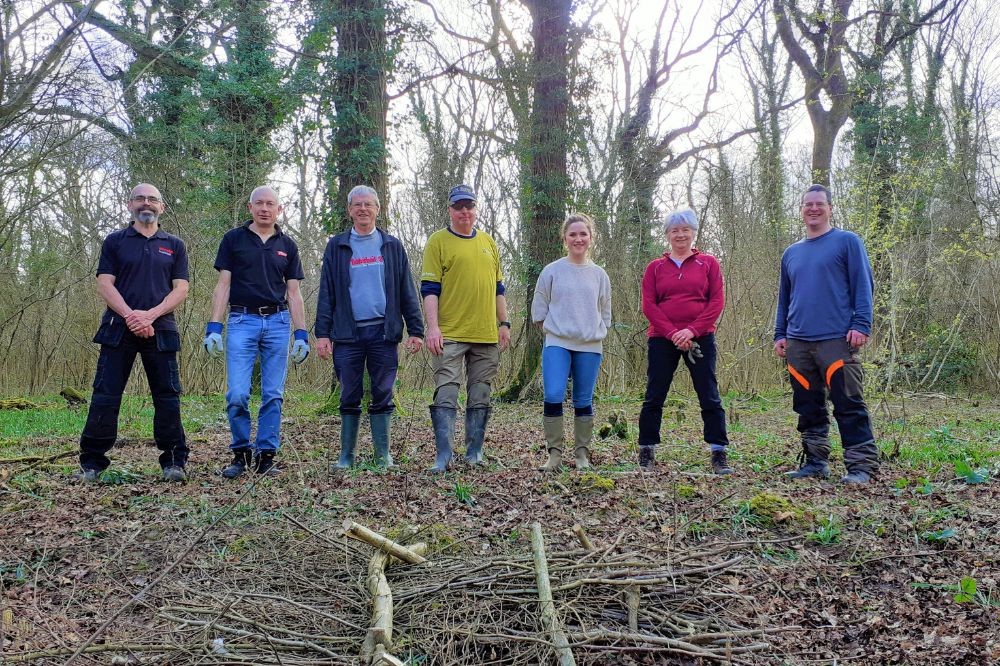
357 154
544 192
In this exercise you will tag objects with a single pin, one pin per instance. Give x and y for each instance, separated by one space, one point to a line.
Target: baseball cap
460 192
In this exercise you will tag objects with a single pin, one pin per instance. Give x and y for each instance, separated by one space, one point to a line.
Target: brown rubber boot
554 442
583 432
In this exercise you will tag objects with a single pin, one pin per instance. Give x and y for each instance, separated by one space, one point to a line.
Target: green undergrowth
56 420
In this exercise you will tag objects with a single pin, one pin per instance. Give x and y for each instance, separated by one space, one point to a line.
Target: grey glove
300 348
213 339
695 352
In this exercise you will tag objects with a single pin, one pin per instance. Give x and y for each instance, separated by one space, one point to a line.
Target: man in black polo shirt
142 275
259 274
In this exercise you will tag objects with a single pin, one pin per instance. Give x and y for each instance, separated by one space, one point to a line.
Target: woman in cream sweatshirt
573 305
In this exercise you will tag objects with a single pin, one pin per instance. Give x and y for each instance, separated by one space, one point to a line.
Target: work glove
300 348
695 352
213 339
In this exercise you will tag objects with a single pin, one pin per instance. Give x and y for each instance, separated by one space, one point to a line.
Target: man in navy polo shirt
259 274
142 275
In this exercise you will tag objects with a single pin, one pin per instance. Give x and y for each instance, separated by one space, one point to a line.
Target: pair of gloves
694 353
214 346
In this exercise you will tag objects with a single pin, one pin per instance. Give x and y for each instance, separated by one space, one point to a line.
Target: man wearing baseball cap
466 311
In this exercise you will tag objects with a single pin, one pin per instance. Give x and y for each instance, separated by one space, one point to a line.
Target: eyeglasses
464 205
146 199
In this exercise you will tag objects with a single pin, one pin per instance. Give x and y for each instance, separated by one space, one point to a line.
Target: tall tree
348 45
830 92
198 125
545 183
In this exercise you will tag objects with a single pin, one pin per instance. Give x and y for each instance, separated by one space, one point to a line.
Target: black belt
263 310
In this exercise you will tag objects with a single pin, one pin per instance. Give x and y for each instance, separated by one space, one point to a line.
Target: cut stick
582 536
380 631
564 656
383 657
632 600
376 540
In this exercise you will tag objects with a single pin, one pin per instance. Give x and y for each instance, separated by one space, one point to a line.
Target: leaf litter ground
744 569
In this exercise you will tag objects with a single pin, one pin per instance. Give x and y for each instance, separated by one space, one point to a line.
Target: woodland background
624 109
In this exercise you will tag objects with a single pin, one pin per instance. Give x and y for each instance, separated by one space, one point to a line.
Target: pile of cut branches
355 596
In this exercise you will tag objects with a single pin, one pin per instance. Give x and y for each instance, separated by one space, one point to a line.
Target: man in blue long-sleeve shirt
824 317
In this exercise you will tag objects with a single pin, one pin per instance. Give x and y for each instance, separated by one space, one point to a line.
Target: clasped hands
140 322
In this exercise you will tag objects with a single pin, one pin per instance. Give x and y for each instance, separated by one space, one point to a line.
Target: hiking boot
583 431
86 475
443 421
241 461
553 442
348 441
475 432
720 463
647 457
858 477
175 474
380 438
266 465
819 469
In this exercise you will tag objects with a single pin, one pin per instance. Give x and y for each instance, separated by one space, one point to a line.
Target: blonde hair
578 217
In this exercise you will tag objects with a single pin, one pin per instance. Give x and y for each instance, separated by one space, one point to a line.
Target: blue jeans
349 361
159 360
558 364
250 336
664 357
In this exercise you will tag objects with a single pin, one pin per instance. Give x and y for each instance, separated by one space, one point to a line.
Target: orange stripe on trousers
798 377
836 365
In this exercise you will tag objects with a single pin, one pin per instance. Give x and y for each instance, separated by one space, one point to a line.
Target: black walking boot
266 465
720 463
810 466
647 456
241 461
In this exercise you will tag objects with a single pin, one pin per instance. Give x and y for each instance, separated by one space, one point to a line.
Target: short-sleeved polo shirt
259 269
144 270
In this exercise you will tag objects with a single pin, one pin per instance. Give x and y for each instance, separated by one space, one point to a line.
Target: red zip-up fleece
691 296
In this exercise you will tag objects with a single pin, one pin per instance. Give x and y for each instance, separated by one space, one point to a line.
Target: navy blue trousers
664 357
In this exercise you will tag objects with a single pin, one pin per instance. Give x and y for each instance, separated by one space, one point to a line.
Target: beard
146 216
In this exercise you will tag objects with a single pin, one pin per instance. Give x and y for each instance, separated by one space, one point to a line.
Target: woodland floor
263 573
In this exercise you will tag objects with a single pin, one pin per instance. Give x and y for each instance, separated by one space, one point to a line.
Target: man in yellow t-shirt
463 292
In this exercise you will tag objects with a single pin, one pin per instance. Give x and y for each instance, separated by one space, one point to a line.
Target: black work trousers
664 357
830 368
159 360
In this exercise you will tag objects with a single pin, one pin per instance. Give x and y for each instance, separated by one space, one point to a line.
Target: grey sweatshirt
574 303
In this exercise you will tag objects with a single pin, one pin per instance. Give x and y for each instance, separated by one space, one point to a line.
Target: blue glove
213 339
300 348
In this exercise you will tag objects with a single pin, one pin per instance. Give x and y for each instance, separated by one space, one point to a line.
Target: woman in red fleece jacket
682 297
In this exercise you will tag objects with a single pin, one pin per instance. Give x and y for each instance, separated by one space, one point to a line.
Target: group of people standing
367 297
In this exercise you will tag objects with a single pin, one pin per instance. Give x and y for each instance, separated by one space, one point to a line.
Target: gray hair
358 190
684 216
264 187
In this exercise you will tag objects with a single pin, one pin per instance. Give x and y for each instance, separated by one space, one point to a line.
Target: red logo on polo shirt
281 254
166 250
